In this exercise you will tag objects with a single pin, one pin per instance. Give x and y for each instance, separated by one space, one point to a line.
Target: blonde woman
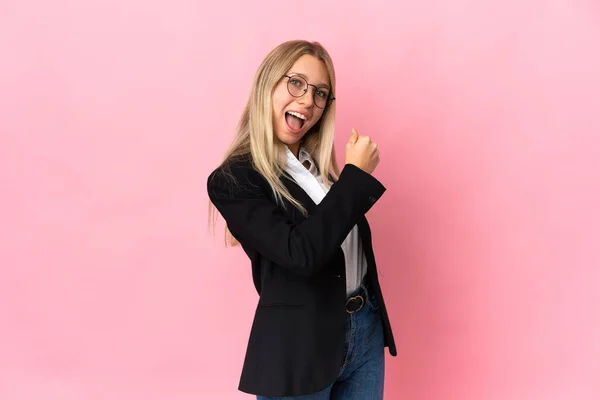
321 325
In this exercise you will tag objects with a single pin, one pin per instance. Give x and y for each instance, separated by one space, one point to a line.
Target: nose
307 98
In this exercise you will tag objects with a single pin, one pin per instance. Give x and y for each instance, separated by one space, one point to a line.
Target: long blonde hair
255 135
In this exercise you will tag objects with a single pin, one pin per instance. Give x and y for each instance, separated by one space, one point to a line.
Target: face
293 116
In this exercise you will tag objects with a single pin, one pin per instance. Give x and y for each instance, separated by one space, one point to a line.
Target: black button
372 199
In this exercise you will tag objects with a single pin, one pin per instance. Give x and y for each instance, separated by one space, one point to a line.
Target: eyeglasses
297 86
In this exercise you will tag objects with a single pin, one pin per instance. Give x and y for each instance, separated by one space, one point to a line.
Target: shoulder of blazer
238 175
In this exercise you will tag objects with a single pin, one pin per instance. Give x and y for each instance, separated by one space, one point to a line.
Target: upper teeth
296 114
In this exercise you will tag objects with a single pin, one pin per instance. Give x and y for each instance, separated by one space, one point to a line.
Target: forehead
311 68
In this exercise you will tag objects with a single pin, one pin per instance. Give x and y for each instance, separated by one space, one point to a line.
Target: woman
321 326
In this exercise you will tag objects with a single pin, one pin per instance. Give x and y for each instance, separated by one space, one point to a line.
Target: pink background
112 114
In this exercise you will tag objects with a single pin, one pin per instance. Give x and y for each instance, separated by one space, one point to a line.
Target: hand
362 152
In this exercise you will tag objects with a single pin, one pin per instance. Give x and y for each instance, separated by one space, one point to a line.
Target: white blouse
312 183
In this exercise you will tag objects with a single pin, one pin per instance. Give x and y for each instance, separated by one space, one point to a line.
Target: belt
356 302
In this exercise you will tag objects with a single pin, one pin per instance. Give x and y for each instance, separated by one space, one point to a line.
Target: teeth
295 114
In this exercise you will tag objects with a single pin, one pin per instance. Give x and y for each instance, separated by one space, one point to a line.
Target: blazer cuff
363 182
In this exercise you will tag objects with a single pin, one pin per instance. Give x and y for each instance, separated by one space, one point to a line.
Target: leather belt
355 303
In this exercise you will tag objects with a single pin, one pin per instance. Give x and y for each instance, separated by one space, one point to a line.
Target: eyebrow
306 77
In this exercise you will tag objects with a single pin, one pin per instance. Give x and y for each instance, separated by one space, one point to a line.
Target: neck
295 149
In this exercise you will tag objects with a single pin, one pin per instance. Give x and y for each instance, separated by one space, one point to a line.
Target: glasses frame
330 98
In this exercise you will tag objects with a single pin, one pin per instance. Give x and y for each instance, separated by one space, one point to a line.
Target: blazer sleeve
256 221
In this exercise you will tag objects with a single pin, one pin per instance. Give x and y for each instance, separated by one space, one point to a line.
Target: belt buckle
362 303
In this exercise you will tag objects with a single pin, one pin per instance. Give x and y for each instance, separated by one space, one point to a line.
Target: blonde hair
255 135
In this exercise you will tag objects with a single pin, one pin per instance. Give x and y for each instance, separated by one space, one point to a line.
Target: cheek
280 99
277 109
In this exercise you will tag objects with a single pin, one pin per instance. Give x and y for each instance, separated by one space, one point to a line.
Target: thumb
353 137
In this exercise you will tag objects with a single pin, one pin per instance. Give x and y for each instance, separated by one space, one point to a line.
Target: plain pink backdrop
113 113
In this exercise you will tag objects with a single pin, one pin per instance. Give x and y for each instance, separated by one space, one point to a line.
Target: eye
322 94
296 82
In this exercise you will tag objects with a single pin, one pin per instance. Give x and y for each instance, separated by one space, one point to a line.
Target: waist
356 300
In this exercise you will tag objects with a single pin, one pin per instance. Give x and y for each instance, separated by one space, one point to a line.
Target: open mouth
295 121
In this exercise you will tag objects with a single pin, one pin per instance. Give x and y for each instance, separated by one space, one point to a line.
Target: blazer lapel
365 237
364 231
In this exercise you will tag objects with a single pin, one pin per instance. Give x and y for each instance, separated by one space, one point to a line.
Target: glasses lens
321 97
297 86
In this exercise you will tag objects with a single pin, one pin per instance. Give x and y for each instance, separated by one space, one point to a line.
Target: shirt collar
296 164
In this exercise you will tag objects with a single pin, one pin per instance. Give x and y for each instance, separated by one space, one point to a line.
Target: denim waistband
363 290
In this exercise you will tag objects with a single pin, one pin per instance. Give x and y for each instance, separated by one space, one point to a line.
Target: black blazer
296 343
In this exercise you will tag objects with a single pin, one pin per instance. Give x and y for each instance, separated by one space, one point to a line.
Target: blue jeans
361 376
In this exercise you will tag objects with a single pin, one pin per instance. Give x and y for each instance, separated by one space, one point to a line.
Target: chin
291 142
289 139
